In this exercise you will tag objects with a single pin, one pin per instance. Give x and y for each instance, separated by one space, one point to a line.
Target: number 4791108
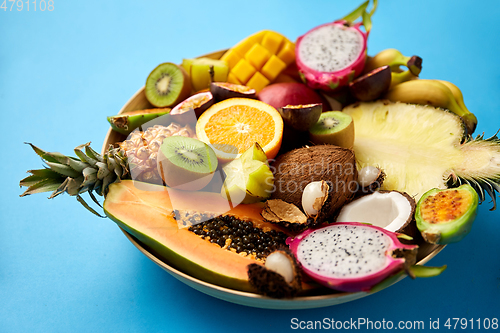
41 5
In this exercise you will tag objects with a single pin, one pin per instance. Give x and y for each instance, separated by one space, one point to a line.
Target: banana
457 93
397 78
431 92
393 58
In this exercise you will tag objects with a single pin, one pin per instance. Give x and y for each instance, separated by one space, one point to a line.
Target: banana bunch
395 59
406 87
438 93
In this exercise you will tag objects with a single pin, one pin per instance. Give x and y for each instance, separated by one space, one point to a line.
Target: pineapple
134 158
421 147
141 149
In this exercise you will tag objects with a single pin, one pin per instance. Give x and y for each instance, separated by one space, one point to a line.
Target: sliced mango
259 59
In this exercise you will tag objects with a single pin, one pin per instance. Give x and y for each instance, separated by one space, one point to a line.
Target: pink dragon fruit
351 256
334 54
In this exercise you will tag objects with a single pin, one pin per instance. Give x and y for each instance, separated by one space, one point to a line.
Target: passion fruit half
301 117
191 108
446 216
371 85
226 90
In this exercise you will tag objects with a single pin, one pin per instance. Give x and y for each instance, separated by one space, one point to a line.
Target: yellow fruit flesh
414 158
258 59
240 127
445 206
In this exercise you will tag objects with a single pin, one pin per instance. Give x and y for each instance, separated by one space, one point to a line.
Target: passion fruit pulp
191 108
226 90
446 216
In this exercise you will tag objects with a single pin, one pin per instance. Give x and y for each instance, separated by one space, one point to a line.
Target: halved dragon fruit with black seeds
351 256
334 54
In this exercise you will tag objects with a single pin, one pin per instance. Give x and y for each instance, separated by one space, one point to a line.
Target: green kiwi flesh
335 128
186 163
167 85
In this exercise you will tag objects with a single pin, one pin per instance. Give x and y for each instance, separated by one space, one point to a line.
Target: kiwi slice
167 85
334 128
186 163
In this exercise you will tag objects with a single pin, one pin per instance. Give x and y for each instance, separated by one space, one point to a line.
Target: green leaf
103 170
39 175
426 271
63 170
367 21
92 196
353 16
404 236
375 4
92 153
42 153
85 204
61 189
83 157
46 185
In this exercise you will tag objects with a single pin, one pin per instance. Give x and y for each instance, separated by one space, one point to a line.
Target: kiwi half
167 85
334 128
186 163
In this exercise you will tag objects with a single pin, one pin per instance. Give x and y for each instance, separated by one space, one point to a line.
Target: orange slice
234 125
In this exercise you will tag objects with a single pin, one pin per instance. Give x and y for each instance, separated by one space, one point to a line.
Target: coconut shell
374 186
410 227
333 164
272 284
285 214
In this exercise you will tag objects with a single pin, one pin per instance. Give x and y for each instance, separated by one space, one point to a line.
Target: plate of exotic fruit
286 173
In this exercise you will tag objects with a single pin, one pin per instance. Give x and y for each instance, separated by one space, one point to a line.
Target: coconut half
391 210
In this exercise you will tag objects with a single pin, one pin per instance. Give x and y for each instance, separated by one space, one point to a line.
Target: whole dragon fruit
333 54
351 256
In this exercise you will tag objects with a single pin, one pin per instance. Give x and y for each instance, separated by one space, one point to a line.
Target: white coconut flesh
280 263
388 210
344 251
330 48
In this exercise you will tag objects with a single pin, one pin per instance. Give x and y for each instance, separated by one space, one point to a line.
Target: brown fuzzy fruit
279 279
297 168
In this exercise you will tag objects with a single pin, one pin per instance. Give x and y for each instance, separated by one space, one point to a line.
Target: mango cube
231 78
273 67
257 56
287 53
272 41
243 70
258 59
258 81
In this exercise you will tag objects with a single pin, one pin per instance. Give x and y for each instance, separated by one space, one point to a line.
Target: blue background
62 72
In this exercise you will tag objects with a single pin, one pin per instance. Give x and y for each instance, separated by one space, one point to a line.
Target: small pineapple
141 149
135 158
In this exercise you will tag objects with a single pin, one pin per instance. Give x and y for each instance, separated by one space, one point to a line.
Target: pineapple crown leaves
90 172
488 182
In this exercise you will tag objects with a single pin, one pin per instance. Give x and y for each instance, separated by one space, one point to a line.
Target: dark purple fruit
301 117
371 85
226 90
191 108
415 65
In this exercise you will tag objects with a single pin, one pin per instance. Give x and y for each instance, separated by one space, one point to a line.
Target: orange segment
233 125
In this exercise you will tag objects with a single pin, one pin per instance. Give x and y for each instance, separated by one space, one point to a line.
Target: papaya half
153 214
